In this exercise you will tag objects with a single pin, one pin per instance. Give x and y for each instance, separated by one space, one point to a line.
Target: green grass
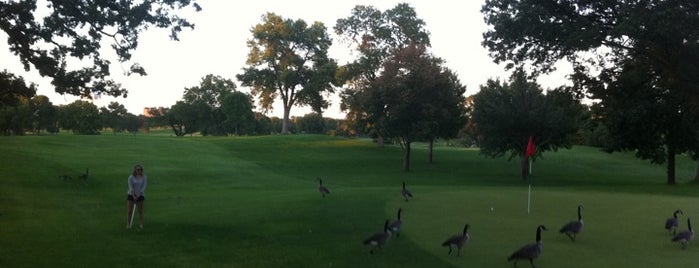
252 202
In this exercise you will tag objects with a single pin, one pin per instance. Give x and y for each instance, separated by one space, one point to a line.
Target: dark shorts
130 198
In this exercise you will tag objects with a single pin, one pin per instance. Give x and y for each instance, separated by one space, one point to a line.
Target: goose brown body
457 240
573 228
378 239
529 251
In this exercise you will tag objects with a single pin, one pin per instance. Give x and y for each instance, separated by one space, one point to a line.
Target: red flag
530 147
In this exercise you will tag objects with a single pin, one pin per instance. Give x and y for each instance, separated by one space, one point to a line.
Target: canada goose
85 175
378 239
573 228
394 227
322 189
685 236
406 194
529 251
671 224
458 240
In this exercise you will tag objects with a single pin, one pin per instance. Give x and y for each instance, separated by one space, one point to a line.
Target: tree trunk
429 153
379 141
406 157
696 176
178 132
671 164
285 120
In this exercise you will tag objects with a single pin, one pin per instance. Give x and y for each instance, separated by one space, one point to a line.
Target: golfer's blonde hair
136 167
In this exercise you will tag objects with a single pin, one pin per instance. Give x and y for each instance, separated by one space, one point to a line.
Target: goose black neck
538 234
465 229
689 224
579 212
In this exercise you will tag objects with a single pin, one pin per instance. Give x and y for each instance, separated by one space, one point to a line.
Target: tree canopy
506 114
663 32
374 35
45 114
15 110
13 89
652 121
237 108
204 102
414 99
81 117
114 116
76 30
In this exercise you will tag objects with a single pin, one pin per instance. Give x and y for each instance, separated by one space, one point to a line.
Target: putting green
621 230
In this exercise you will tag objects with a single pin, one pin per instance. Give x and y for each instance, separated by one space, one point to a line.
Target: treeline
215 107
22 112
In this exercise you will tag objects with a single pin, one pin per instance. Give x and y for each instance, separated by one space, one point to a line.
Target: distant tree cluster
216 108
22 111
212 108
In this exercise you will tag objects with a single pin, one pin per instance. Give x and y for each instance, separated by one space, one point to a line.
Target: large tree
13 88
653 121
132 122
183 117
206 100
289 59
16 119
374 35
618 49
15 111
414 98
113 116
237 108
312 123
81 117
44 113
74 31
445 109
506 114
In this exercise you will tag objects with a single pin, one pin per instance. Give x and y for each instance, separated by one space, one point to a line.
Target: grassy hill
253 202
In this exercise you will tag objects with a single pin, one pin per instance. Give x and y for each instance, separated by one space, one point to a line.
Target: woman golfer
137 188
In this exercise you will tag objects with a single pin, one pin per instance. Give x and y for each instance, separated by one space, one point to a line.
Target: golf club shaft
133 213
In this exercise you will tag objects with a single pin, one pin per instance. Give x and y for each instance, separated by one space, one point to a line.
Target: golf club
133 213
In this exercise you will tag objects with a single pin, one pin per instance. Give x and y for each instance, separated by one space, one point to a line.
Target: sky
217 46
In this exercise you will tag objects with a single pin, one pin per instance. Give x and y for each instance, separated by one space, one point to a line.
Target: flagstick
529 152
529 195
